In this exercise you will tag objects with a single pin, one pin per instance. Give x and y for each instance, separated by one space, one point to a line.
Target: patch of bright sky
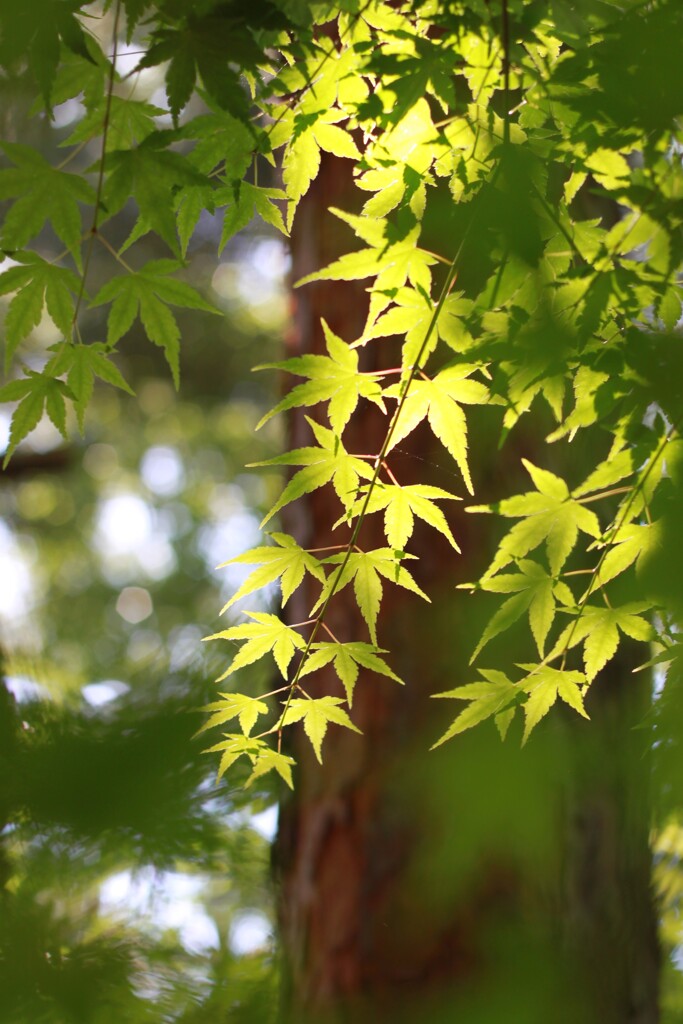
249 932
162 470
16 592
159 99
256 280
127 57
66 113
104 692
169 900
23 689
128 538
265 822
166 899
143 85
234 528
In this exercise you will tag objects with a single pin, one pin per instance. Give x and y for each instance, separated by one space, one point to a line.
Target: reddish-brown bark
459 882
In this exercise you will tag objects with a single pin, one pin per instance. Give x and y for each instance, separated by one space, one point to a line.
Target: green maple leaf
234 705
438 401
598 628
346 658
412 317
544 686
81 364
389 186
301 165
302 158
400 159
37 283
146 293
628 546
216 44
487 698
33 33
223 141
329 462
44 194
269 760
263 758
316 714
245 201
37 393
265 635
366 569
587 385
286 562
128 121
391 260
190 203
534 591
619 464
334 379
152 175
549 514
401 505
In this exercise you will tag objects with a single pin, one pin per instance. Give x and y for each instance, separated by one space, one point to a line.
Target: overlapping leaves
334 378
547 308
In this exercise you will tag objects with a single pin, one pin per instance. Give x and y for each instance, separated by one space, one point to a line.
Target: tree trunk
477 882
608 917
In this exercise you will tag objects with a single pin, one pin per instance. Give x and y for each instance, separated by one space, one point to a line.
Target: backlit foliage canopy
550 131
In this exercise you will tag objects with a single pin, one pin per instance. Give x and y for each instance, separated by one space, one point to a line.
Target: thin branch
604 494
100 176
622 522
117 255
379 461
505 39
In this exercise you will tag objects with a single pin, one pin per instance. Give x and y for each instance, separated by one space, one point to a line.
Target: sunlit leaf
316 715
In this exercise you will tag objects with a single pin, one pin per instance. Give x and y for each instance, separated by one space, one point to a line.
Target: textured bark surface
459 884
608 912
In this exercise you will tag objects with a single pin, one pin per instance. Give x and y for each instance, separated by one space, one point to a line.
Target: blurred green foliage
108 810
133 888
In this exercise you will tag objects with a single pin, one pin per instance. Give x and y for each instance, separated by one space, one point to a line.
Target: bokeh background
136 888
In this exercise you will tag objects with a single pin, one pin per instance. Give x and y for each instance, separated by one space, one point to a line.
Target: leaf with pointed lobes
401 504
316 714
346 659
599 628
43 193
328 463
38 393
265 635
234 705
263 758
548 514
533 589
37 283
487 698
286 562
439 402
334 379
366 568
147 293
82 364
544 685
